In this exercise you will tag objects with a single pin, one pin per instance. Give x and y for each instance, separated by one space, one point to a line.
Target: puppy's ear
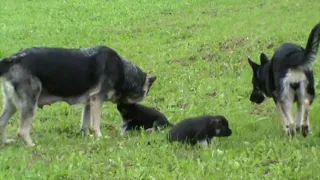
253 65
151 80
263 59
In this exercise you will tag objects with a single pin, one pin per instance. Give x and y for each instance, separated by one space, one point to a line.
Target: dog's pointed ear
253 65
263 59
151 80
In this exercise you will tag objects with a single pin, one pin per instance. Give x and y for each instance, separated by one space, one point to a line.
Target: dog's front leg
86 119
95 109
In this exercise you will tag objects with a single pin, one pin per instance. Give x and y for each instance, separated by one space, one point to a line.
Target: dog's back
75 70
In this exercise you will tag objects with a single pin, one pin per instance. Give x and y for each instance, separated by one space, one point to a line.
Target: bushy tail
5 64
313 44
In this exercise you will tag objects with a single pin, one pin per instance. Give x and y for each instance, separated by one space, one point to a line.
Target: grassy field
198 49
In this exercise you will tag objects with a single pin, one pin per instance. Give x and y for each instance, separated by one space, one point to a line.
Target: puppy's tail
313 44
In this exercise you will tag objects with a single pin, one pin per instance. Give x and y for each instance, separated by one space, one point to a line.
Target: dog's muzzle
257 97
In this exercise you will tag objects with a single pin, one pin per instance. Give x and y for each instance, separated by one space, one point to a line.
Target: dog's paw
31 145
84 133
291 130
98 134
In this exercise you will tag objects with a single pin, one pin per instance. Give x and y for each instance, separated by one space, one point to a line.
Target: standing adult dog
288 78
40 76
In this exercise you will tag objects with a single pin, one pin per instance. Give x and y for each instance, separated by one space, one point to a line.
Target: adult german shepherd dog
288 78
39 76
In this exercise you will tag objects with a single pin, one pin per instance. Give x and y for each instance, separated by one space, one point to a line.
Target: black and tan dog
200 130
40 76
137 116
288 78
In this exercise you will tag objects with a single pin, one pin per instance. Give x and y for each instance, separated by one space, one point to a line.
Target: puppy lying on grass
200 130
137 116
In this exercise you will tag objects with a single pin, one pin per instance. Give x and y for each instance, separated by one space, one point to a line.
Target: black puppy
200 130
288 78
136 116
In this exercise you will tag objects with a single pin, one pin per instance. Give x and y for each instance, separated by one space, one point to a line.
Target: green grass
198 50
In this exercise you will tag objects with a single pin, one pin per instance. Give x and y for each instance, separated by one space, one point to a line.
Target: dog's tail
5 65
313 44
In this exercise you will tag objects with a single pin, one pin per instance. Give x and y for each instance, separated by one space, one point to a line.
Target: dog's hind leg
27 111
308 100
8 111
286 107
96 103
286 98
301 105
305 127
283 117
27 95
86 120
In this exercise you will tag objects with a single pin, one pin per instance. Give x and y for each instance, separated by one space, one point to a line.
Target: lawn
198 49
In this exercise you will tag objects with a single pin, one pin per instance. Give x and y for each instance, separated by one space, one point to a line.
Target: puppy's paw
150 130
123 133
8 141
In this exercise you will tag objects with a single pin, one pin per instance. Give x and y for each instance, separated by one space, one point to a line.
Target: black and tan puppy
137 116
200 130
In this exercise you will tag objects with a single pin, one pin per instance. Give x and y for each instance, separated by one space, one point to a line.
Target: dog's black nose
257 97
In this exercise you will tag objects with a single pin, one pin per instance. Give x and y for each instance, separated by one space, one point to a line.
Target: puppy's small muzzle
229 132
